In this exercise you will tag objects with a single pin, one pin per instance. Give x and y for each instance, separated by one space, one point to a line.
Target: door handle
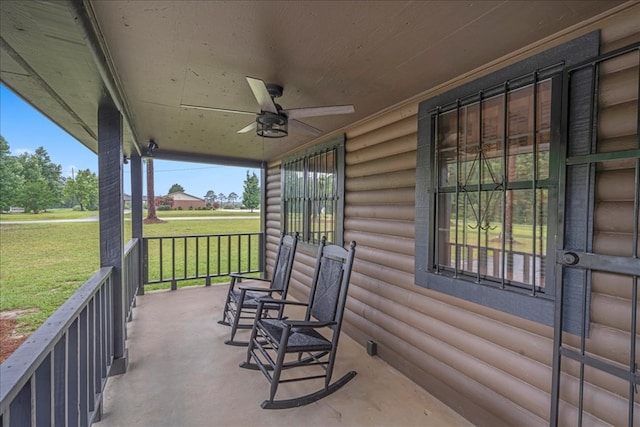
599 262
570 258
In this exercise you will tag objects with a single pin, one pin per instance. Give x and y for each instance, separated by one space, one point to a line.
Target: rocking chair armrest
262 301
270 300
309 323
257 289
242 276
280 301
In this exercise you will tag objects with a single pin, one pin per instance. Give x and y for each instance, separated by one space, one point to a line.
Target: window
313 199
489 161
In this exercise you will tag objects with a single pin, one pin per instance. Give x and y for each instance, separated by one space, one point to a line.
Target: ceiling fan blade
261 93
222 110
304 127
297 113
248 128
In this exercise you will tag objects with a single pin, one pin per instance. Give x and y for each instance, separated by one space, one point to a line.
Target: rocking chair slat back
326 293
282 268
242 300
272 339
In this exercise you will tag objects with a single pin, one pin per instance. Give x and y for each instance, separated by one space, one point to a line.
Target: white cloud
21 151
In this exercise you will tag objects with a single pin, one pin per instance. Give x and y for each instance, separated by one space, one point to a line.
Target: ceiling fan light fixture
271 125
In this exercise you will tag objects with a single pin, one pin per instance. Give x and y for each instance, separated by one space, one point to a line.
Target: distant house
127 198
184 201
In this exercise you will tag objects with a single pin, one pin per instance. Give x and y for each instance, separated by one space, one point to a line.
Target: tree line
35 183
250 195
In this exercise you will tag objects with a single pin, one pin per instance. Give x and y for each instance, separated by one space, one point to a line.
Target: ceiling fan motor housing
271 125
275 91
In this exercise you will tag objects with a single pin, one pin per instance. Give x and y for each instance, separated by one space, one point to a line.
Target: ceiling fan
272 121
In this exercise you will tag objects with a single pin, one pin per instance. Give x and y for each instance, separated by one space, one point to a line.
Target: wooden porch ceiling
62 57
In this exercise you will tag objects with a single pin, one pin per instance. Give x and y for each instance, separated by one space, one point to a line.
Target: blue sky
25 129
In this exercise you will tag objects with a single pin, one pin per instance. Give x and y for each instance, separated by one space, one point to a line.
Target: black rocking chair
242 300
308 342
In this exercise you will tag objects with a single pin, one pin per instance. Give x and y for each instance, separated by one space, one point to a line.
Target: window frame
548 183
306 198
537 306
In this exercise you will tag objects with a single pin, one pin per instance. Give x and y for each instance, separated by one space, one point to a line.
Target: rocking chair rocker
242 301
273 339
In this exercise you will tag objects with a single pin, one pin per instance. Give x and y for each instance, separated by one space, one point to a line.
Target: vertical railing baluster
145 265
20 409
102 318
72 375
173 264
125 286
219 255
43 392
104 333
98 328
228 254
93 359
161 259
197 256
526 259
249 263
239 252
208 279
106 325
83 366
185 263
108 316
261 251
59 381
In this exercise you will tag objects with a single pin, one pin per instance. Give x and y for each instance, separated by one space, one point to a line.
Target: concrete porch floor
182 374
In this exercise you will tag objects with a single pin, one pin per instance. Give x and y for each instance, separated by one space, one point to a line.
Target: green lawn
50 214
196 213
41 265
71 214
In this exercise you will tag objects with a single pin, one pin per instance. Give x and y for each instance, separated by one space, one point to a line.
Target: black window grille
488 179
313 194
491 162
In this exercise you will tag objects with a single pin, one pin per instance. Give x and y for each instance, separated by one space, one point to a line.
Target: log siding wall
273 188
493 368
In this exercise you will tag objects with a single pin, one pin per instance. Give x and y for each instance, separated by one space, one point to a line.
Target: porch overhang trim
198 158
88 24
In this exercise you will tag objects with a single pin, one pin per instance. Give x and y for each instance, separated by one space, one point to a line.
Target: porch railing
132 274
518 266
57 376
178 258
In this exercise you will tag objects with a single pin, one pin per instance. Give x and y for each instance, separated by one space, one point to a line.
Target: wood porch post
263 218
136 210
110 158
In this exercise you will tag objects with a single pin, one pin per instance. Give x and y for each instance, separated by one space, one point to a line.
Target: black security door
598 270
